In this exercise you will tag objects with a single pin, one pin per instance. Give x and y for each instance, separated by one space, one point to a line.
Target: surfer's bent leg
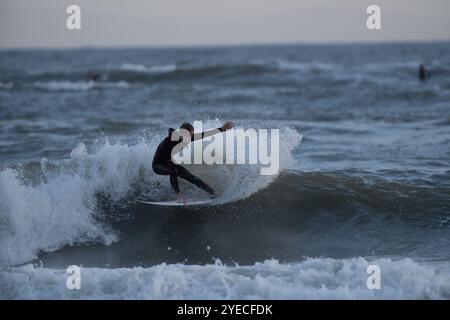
174 182
175 171
183 173
168 170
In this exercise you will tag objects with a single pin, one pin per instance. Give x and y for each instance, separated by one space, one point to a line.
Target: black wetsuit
423 73
162 164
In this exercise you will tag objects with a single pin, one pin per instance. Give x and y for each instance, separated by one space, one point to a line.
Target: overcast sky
42 23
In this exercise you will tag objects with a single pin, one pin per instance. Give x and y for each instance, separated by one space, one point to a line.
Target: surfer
163 165
423 73
93 77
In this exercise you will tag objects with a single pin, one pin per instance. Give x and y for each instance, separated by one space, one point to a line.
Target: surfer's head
189 127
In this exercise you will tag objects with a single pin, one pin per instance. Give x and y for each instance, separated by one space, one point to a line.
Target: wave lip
314 278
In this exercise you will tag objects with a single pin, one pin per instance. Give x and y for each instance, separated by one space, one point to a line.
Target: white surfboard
178 204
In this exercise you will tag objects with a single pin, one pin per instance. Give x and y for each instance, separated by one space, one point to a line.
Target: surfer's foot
181 198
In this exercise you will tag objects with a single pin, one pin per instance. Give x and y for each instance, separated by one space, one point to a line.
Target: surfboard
176 203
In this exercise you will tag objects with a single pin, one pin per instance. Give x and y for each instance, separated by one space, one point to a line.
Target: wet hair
187 126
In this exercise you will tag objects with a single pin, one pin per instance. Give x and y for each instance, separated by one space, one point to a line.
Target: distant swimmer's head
188 127
94 77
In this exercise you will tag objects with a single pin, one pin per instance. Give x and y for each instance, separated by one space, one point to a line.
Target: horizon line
227 45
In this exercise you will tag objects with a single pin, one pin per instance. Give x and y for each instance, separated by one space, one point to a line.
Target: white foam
78 85
305 66
311 279
6 85
61 210
152 69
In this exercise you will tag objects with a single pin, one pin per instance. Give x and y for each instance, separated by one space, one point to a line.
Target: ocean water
364 173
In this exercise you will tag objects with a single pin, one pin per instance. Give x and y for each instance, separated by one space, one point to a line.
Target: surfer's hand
227 126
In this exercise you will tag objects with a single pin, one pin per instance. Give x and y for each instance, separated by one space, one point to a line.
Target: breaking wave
320 278
48 205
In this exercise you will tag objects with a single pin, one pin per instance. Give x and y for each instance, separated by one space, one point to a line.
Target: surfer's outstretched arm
227 126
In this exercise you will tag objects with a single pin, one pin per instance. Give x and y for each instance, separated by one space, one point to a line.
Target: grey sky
41 23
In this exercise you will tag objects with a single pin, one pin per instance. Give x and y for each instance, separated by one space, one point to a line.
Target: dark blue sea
364 173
